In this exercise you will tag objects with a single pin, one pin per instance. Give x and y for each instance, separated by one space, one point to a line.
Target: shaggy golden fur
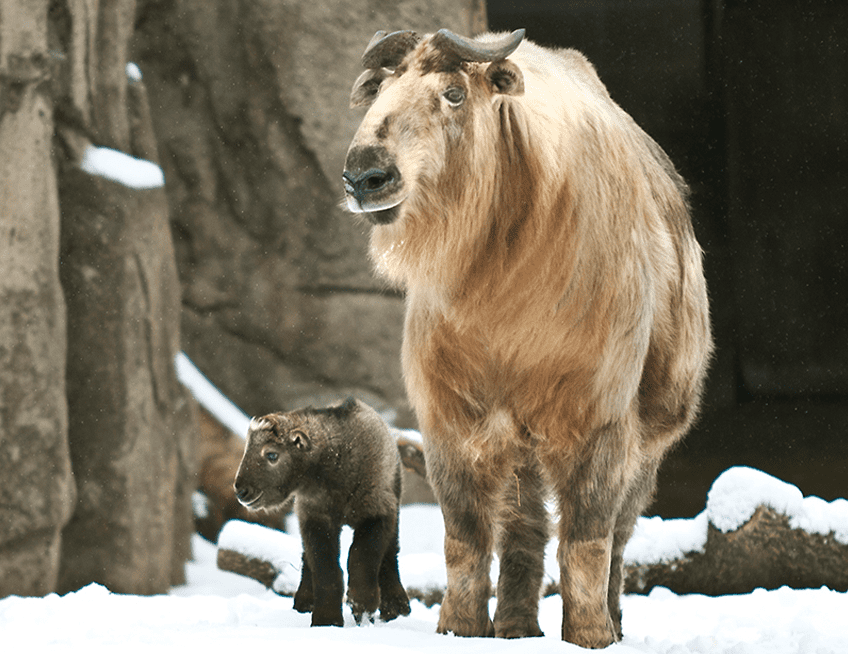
557 331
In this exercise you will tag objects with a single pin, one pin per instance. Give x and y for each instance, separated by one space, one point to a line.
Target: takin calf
342 466
557 330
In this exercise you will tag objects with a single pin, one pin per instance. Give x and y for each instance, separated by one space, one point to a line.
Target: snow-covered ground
218 611
223 612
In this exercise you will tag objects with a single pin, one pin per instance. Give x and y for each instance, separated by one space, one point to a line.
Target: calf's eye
272 456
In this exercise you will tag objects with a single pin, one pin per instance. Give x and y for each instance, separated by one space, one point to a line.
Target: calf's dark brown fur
342 466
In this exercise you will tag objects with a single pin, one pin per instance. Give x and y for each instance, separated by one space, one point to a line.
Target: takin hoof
451 623
518 630
589 637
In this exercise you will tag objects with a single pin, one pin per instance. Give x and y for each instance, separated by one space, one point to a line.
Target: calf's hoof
327 618
394 604
303 603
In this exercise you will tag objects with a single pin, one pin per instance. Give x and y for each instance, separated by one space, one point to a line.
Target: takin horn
388 50
469 50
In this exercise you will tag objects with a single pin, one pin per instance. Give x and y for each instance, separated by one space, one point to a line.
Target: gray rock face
250 107
127 412
36 486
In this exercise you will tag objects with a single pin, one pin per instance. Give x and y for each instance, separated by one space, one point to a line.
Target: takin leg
467 508
393 598
521 549
321 551
638 497
590 495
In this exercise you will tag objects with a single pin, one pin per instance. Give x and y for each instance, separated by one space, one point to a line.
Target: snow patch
738 491
133 72
280 549
209 397
731 502
656 540
122 168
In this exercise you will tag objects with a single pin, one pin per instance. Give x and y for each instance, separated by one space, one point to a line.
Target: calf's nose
243 491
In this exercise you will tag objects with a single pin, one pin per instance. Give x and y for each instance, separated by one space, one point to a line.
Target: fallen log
756 532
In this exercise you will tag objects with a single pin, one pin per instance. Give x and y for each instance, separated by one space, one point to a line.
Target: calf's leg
370 541
304 598
637 498
393 598
321 549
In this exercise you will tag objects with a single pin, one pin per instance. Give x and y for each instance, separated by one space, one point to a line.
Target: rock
36 485
250 108
131 422
765 552
262 571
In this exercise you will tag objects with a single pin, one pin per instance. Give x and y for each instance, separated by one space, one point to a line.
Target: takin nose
371 180
244 493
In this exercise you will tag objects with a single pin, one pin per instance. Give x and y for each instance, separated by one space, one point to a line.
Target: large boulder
36 485
130 422
131 425
250 107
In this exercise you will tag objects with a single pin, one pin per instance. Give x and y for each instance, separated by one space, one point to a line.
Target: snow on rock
656 540
122 168
731 502
281 550
133 72
738 491
209 397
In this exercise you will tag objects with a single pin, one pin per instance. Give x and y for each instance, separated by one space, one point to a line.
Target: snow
218 611
122 168
738 491
731 502
209 397
133 72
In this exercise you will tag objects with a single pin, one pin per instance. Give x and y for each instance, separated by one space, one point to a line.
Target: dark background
750 100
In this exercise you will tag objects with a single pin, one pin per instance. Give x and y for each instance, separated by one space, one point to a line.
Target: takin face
421 118
275 456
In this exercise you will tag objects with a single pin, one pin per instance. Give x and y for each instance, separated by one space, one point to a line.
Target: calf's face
272 465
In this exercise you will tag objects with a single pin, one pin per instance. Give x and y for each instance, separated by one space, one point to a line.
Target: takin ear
366 86
506 77
300 440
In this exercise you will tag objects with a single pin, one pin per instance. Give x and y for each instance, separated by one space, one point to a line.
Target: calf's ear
300 440
506 77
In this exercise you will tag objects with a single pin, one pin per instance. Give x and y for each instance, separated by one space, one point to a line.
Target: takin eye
272 456
454 95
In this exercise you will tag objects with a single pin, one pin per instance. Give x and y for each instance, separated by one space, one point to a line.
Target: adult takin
342 466
557 331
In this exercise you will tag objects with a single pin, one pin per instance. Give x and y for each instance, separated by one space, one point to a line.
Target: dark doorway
750 100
